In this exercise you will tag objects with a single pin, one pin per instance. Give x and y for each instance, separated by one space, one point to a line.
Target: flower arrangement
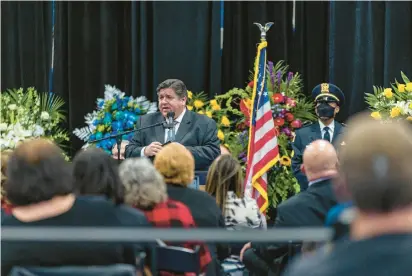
393 103
290 110
115 113
30 114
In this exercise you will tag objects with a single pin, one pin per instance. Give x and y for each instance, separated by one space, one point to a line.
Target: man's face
170 101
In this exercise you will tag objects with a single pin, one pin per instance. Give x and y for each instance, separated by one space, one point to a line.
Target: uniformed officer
328 100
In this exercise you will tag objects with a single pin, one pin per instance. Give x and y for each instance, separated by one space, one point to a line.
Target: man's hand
152 149
122 148
245 247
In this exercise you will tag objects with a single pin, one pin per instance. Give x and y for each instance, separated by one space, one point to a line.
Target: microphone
170 118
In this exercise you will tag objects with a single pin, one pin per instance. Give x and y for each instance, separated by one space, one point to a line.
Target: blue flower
99 135
117 126
107 118
137 110
129 124
114 106
119 115
100 103
96 122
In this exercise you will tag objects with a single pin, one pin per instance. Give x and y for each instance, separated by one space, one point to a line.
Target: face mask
325 111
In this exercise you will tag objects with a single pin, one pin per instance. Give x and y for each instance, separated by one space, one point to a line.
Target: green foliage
31 114
392 103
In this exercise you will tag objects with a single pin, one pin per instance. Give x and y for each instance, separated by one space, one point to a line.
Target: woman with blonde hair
225 183
177 166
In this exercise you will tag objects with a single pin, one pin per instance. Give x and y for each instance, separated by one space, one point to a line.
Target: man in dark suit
375 165
308 208
328 100
196 132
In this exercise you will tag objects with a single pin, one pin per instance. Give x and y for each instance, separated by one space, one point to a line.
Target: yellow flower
285 161
220 135
401 88
100 128
376 115
201 112
410 106
227 146
395 112
198 104
409 118
213 102
388 93
225 121
189 107
248 103
409 87
189 94
209 114
216 107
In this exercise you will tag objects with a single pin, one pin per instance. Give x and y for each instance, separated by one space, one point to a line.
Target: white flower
44 115
12 106
38 131
3 126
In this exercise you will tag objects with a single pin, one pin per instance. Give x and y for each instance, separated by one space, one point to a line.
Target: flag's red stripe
266 138
266 159
266 117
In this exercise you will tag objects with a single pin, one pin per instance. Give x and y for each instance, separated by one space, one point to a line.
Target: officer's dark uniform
325 92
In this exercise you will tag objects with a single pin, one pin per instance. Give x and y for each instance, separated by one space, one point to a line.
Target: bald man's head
320 160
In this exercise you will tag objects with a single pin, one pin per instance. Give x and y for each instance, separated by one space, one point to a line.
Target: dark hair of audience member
96 173
225 174
36 172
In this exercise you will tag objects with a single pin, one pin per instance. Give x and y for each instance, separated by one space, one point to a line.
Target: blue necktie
327 134
171 133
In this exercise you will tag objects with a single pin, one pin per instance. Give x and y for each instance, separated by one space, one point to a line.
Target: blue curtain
369 44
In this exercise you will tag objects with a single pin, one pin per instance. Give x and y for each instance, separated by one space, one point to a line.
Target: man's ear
302 169
337 109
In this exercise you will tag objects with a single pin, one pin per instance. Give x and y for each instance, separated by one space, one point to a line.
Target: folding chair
178 259
110 270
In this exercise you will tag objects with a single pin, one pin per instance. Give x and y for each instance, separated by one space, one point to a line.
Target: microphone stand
118 136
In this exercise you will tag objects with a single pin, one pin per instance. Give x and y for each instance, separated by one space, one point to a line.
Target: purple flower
279 78
272 76
286 131
290 76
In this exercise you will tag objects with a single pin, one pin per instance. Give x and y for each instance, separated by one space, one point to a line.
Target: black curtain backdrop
133 46
370 43
25 44
305 50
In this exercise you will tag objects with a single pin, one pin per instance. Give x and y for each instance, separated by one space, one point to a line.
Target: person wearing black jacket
308 208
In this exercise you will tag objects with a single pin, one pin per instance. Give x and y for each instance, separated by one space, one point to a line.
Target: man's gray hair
144 186
177 85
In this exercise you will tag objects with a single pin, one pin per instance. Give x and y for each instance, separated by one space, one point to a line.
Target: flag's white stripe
269 145
259 133
262 110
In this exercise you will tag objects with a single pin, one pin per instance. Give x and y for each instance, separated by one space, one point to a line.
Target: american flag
263 151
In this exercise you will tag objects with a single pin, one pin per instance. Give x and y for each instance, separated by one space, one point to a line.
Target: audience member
375 165
146 190
40 188
308 208
96 173
225 183
176 164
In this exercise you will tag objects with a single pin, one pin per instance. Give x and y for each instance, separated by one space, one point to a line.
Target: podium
200 180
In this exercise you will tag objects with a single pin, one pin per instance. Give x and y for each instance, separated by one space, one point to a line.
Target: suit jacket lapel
337 132
159 130
184 126
315 134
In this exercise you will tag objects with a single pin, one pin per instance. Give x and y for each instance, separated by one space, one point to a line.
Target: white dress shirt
178 120
331 129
